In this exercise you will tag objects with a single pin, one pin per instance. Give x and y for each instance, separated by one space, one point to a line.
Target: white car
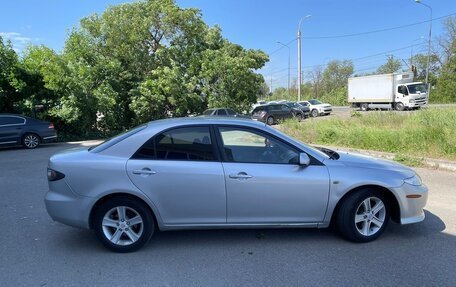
317 108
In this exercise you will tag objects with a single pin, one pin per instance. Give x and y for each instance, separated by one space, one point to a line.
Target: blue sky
259 24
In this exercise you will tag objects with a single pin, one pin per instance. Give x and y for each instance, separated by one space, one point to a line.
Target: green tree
392 65
12 76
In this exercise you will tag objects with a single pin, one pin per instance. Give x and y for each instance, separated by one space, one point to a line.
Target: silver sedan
224 173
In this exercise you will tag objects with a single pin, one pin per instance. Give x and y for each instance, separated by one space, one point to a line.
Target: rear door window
187 143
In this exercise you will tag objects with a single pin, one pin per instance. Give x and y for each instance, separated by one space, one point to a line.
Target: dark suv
273 113
21 130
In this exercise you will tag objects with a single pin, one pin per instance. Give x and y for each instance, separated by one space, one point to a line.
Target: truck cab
411 95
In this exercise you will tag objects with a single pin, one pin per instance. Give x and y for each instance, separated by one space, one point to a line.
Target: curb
427 162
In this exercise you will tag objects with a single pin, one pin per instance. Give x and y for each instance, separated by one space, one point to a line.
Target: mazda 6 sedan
202 173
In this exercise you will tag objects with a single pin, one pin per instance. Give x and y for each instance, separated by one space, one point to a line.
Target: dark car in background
305 110
273 113
223 112
25 131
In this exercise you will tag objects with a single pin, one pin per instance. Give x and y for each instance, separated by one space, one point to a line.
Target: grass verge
424 133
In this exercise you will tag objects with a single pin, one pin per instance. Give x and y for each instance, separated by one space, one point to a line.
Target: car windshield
208 112
416 88
315 102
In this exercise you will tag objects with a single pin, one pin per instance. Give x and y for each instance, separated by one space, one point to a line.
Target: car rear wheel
270 120
30 141
123 224
363 216
314 113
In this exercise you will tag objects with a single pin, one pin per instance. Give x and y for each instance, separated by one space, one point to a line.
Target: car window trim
8 125
215 150
313 160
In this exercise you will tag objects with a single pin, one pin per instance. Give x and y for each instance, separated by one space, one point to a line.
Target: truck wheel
364 107
314 113
399 106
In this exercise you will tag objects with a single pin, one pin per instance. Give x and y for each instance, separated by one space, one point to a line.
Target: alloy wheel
31 141
122 225
370 216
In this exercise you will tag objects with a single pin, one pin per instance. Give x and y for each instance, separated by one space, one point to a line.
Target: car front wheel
270 120
314 113
123 224
299 117
363 216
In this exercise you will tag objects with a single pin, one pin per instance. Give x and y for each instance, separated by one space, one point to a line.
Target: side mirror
304 159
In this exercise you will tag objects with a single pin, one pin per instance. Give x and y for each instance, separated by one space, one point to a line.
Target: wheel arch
110 196
393 203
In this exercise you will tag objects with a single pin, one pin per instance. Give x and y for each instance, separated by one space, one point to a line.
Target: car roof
204 120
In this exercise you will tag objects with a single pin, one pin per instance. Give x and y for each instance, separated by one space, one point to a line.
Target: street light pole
299 57
429 41
288 84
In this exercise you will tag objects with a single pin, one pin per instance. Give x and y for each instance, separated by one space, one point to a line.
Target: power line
281 47
376 31
352 59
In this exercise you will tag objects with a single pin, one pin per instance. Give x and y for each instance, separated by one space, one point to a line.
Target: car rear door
179 170
264 183
11 129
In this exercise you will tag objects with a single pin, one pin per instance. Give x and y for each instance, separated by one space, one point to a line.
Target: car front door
264 182
180 172
11 129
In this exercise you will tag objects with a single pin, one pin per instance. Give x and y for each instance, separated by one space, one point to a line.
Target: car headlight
414 180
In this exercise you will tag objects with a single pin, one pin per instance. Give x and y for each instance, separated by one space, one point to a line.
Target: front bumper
412 209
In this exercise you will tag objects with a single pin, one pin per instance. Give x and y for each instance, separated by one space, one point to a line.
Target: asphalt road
35 251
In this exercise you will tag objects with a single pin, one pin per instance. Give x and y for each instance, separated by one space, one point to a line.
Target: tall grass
424 133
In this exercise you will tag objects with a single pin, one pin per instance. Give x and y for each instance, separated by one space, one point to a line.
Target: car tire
364 107
270 120
363 216
314 113
123 224
299 117
31 141
399 107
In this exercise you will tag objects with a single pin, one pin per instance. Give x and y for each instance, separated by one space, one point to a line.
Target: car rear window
114 140
7 120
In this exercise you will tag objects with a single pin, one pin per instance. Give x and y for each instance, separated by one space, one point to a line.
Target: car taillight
54 175
51 125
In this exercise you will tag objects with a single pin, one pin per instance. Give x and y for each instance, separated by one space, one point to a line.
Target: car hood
322 105
364 161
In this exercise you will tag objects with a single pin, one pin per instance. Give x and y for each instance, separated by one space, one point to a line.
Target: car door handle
241 175
144 171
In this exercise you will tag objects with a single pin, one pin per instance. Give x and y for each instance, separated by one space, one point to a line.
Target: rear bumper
49 136
66 207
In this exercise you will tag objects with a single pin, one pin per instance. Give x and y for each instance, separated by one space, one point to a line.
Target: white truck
397 91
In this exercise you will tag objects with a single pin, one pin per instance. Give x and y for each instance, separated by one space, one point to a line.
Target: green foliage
424 133
391 66
130 64
446 83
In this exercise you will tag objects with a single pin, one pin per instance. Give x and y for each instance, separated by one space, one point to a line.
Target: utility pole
429 41
299 57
